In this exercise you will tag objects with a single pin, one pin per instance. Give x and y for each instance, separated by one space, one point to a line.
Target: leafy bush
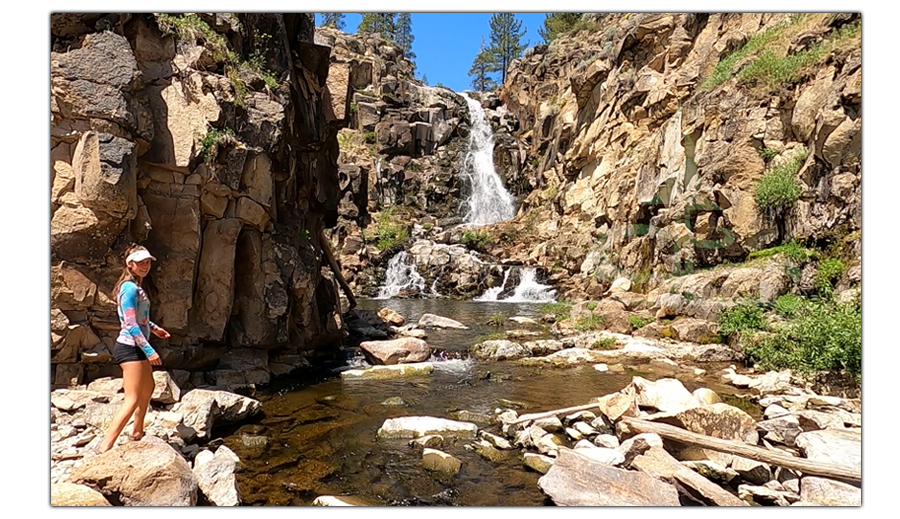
829 271
825 335
793 251
477 239
591 305
767 153
212 141
787 305
589 322
605 343
559 309
369 137
389 233
745 316
638 321
725 67
778 188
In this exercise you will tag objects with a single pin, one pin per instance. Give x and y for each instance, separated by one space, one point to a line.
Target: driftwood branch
326 248
556 412
813 468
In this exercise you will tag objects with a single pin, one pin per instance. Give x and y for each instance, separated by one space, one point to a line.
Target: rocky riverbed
597 445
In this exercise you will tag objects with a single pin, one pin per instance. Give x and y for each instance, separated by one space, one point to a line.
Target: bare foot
137 435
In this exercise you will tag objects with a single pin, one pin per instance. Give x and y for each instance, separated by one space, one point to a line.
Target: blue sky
445 44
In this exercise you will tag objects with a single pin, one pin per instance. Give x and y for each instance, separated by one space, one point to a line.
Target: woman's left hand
161 333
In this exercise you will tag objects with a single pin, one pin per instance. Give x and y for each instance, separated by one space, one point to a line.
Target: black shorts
127 353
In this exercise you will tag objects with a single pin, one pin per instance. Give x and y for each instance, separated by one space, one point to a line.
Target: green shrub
191 28
589 322
745 316
605 343
788 305
725 67
828 271
824 335
369 137
778 188
477 239
212 141
793 251
638 322
560 310
767 153
389 233
496 319
591 305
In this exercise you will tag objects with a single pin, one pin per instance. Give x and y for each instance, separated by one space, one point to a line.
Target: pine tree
403 35
484 63
335 20
506 41
378 23
558 23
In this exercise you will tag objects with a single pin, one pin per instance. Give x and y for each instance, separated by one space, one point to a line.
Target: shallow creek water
318 437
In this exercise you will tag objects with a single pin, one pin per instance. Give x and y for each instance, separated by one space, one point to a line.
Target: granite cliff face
647 139
206 138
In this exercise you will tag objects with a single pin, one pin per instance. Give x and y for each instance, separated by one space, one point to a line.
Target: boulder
717 420
201 408
828 492
72 399
432 441
70 494
576 480
753 471
215 477
499 350
839 447
705 396
496 441
659 463
438 461
608 456
667 395
165 390
144 473
391 317
404 350
436 321
538 462
389 372
417 426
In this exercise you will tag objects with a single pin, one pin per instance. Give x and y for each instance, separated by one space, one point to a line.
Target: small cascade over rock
527 291
401 276
489 202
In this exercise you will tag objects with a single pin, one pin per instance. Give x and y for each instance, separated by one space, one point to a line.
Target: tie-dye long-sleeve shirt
134 316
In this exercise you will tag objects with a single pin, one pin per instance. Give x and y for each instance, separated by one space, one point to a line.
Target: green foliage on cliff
638 322
212 141
793 251
778 189
589 322
389 232
191 28
725 68
477 239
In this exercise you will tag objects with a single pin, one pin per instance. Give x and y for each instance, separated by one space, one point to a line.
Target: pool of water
318 435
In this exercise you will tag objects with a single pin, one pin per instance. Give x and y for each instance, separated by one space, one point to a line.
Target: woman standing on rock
132 352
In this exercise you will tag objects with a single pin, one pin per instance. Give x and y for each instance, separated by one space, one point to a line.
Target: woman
132 352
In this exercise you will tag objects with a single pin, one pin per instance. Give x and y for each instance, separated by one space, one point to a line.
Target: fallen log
555 412
813 468
329 255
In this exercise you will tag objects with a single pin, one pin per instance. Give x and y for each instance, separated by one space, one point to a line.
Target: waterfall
527 291
489 201
401 275
492 293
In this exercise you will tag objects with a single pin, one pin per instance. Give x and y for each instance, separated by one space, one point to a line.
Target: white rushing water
527 291
489 201
401 275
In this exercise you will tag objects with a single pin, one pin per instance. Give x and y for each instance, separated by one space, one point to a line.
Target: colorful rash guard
134 315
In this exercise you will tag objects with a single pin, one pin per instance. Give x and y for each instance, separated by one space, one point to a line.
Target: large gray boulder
576 480
215 476
404 350
142 473
416 426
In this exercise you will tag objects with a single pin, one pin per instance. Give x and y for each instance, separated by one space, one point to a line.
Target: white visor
139 255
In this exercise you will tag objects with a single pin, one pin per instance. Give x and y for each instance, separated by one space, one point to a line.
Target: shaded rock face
634 165
227 184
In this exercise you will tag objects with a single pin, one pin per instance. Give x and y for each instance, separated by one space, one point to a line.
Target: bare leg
143 404
131 379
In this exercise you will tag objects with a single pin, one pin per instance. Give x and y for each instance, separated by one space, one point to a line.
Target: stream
318 436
